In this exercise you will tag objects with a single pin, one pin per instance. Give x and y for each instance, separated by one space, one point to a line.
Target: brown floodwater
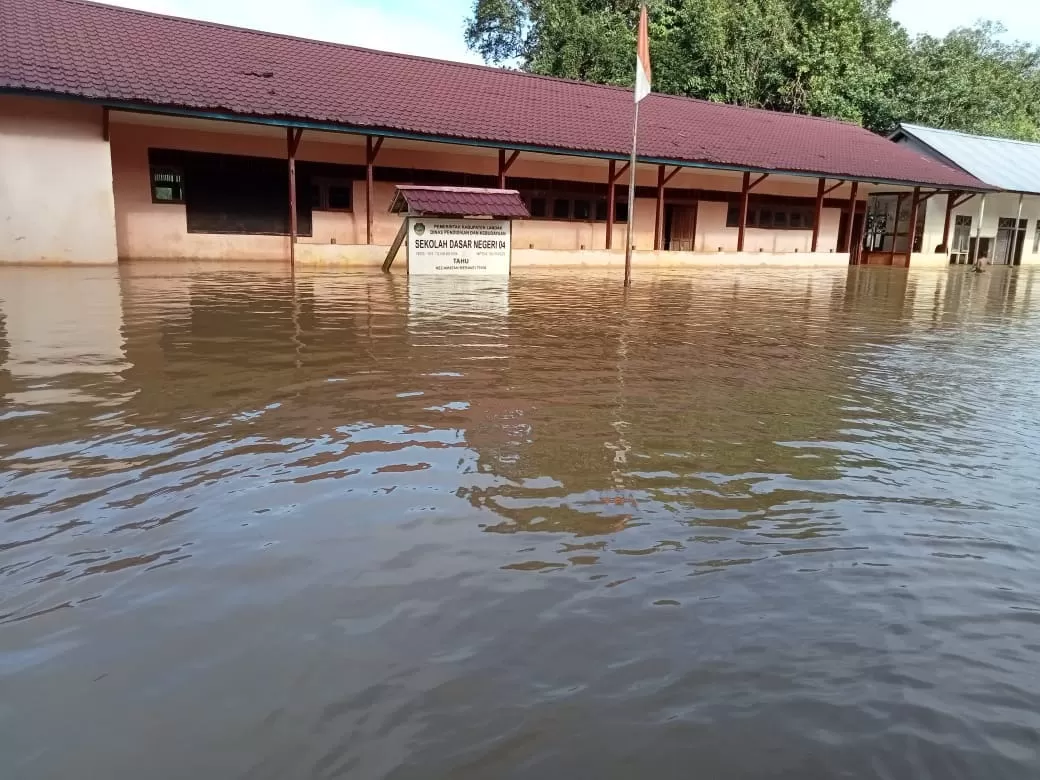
731 524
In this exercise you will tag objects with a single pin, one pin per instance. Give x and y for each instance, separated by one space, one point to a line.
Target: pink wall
55 183
148 230
714 236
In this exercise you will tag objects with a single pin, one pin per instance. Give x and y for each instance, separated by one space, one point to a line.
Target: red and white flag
643 58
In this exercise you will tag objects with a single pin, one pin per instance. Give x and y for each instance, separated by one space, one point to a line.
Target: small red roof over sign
458 202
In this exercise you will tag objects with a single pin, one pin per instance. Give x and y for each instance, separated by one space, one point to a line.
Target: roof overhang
334 127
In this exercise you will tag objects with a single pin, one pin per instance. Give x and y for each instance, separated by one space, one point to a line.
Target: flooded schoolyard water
733 524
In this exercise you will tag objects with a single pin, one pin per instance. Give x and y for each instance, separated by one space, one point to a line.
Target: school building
1003 226
127 135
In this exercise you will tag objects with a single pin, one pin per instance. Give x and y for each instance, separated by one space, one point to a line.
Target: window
961 233
340 196
232 194
772 216
961 239
332 194
167 184
567 206
1036 238
621 211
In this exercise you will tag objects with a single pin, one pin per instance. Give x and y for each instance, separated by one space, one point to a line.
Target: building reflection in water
414 509
63 334
721 410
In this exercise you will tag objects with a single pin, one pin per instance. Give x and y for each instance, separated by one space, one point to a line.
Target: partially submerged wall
150 230
68 196
56 202
369 256
1001 205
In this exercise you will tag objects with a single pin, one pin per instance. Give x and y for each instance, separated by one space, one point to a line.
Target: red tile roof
459 202
100 52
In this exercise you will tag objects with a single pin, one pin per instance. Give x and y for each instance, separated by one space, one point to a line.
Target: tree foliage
839 58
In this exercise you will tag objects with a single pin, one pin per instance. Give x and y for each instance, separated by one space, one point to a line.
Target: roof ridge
757 109
110 5
966 134
450 188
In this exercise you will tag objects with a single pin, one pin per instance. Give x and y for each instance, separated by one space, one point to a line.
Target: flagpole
642 89
631 199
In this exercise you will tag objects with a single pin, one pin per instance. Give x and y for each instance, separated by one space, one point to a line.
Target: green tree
971 80
728 52
839 58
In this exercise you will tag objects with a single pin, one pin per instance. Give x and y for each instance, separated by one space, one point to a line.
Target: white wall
56 203
999 205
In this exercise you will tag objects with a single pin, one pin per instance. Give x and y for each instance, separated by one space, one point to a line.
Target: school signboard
457 247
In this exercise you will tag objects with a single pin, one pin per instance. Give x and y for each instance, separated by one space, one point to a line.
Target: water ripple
758 522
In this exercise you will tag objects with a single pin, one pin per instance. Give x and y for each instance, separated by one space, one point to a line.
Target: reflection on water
761 523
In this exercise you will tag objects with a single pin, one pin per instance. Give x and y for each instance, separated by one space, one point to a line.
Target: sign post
459 246
456 231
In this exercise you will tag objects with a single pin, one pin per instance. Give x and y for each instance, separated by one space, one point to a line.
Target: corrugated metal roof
458 202
120 56
1009 165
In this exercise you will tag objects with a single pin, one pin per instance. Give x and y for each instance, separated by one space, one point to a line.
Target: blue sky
429 27
434 27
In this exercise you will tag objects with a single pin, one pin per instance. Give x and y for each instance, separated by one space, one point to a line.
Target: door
1008 247
858 227
843 228
985 248
682 230
1020 240
960 250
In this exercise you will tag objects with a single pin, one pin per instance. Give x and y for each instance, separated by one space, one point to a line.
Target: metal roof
1009 165
458 202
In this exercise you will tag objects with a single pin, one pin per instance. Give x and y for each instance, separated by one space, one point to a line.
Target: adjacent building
956 227
130 135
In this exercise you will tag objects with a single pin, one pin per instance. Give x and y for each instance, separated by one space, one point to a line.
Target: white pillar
978 230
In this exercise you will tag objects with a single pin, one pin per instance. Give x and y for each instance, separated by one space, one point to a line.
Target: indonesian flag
642 58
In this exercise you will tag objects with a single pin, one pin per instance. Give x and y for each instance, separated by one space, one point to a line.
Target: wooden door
683 234
858 227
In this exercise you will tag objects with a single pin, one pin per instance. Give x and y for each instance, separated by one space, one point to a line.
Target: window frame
962 228
176 170
763 216
569 203
620 211
324 184
546 201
